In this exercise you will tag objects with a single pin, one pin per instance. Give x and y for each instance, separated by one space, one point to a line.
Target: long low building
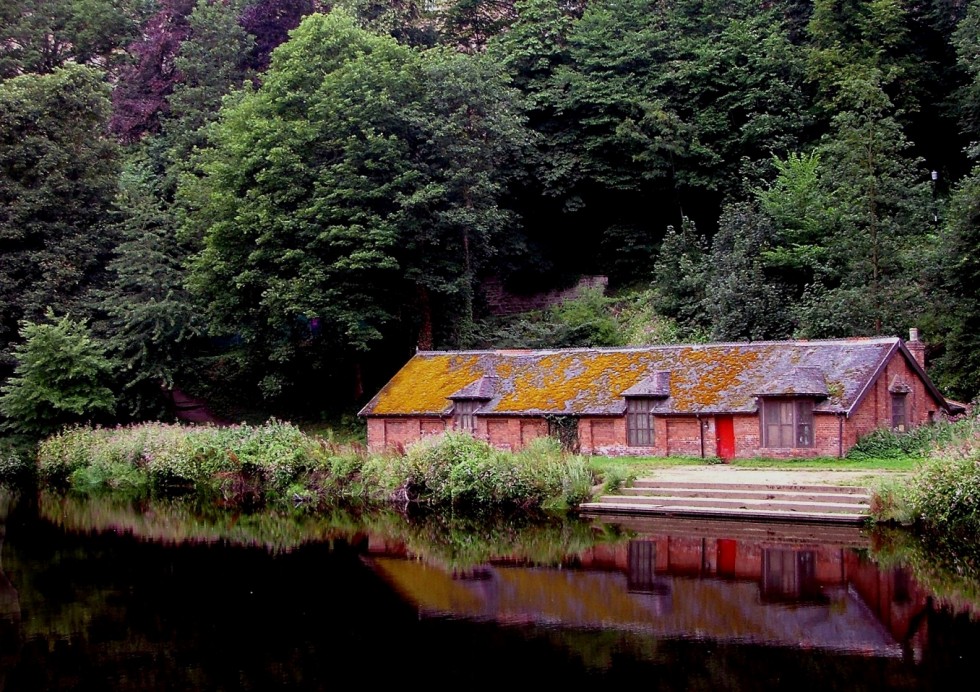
751 399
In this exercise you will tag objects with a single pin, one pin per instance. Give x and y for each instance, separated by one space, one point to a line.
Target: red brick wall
684 437
876 412
748 439
433 426
676 435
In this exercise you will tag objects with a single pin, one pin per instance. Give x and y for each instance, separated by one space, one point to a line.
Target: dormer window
787 423
470 399
639 422
464 413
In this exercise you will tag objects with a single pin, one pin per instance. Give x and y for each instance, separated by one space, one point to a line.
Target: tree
57 179
966 39
59 379
877 199
743 301
472 141
152 328
37 36
299 197
139 98
211 62
958 368
357 187
679 278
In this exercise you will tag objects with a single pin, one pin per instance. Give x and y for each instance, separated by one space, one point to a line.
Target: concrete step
594 508
789 504
760 501
790 487
736 493
769 532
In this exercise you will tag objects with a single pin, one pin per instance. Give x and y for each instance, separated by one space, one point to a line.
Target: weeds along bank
942 495
276 463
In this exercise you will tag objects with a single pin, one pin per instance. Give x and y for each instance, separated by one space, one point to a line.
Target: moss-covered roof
703 378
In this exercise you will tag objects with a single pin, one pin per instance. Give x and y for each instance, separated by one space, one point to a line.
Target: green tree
358 179
744 301
958 367
878 201
57 179
299 199
473 138
799 211
37 36
212 61
966 39
59 379
679 278
152 329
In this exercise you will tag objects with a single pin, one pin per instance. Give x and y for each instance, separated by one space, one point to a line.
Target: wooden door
725 436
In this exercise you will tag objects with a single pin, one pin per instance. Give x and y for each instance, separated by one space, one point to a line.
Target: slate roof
703 378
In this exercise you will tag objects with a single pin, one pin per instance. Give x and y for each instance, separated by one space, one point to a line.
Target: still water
106 594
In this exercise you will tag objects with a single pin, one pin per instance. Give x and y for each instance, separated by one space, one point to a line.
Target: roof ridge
634 349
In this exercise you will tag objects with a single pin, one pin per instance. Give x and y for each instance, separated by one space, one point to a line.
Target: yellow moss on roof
703 375
575 381
424 384
703 378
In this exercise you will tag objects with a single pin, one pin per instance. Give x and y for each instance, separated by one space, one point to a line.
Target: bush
945 494
918 442
276 462
57 380
16 465
456 469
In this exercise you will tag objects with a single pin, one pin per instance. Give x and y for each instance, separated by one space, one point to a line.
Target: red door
727 553
725 434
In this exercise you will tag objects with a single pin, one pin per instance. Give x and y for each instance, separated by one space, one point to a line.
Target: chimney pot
916 347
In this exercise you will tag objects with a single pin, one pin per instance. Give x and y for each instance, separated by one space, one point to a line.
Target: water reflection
168 594
684 579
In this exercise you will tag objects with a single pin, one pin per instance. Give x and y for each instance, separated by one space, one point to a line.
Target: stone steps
747 501
763 532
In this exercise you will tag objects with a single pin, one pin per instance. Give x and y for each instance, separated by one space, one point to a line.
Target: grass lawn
625 467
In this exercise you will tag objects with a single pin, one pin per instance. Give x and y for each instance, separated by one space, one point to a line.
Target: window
899 412
787 423
639 422
465 414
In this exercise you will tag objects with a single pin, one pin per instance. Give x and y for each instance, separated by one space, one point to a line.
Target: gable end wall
875 410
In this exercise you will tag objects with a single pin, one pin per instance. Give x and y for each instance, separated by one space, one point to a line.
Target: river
111 594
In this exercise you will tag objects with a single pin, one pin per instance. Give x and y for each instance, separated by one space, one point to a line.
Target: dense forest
272 203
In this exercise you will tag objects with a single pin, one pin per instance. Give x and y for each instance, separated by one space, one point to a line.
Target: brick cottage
772 399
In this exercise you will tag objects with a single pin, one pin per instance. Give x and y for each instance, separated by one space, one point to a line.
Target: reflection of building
761 584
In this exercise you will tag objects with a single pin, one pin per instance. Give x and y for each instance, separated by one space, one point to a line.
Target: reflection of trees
457 541
946 565
9 599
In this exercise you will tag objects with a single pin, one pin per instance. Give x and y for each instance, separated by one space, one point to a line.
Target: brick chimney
916 347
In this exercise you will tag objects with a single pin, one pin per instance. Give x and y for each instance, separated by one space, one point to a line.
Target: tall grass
278 463
943 493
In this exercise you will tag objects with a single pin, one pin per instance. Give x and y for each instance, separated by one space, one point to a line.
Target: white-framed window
787 423
639 422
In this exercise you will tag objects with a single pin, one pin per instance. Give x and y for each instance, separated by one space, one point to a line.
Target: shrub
918 442
57 379
456 469
16 465
945 493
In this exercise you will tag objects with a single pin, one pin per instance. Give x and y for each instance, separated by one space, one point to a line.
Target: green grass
637 466
900 464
